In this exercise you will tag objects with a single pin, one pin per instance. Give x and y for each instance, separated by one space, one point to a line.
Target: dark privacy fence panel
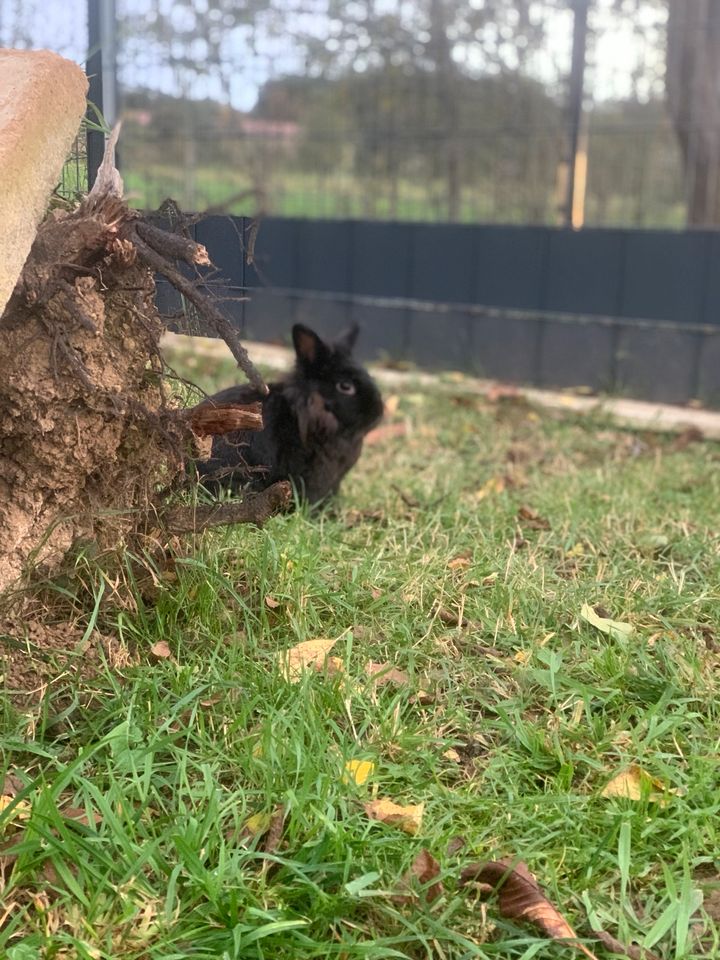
635 312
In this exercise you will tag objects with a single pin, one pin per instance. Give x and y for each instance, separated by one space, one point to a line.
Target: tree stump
89 432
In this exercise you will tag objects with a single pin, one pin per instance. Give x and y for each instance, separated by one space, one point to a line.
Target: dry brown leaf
382 673
631 952
455 845
451 618
271 602
634 783
331 666
310 653
407 818
424 869
80 815
531 518
161 650
275 831
461 560
520 898
12 785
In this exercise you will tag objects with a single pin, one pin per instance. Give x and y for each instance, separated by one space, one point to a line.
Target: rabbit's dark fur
314 423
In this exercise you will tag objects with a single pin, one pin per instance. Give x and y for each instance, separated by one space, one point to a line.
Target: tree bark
693 98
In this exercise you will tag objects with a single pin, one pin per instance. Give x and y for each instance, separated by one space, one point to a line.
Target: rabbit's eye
345 386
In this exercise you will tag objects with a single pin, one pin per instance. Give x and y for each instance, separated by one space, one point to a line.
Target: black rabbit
314 422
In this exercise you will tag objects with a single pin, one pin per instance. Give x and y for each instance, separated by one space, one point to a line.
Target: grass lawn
507 727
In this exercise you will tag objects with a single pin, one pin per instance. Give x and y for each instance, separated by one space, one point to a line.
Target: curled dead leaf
407 818
520 898
612 628
161 650
384 673
532 519
634 783
271 603
424 870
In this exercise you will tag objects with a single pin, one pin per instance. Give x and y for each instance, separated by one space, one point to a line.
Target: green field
461 552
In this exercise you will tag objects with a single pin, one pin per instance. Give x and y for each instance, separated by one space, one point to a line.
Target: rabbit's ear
346 341
309 348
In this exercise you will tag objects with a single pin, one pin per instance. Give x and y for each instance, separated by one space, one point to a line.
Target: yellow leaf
391 404
494 485
407 818
523 657
358 771
613 628
310 653
21 811
634 783
257 825
453 755
577 551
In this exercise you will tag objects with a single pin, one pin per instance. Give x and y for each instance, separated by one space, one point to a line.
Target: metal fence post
575 100
102 75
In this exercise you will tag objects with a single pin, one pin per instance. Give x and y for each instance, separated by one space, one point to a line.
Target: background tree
693 96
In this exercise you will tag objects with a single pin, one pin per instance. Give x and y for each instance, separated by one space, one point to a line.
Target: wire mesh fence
440 110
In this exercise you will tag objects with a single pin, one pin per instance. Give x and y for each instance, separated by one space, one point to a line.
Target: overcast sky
61 25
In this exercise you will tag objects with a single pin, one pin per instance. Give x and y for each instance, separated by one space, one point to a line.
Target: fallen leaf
613 945
310 653
423 697
12 785
455 845
358 771
80 815
532 519
391 404
161 650
634 783
612 628
272 603
453 755
375 593
423 870
493 485
274 832
256 826
577 551
461 560
332 666
388 431
383 673
520 898
21 810
407 818
449 617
